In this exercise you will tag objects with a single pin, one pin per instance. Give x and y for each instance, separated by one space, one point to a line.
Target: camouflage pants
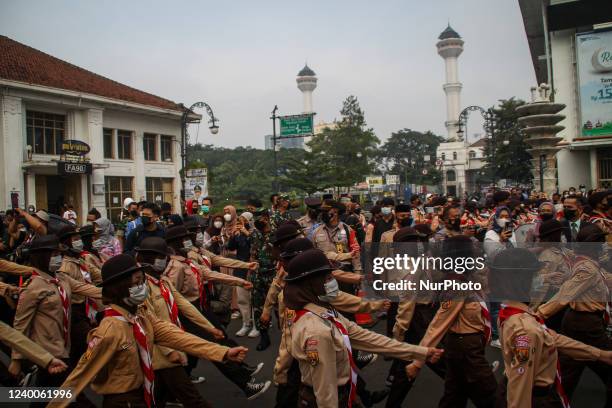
261 284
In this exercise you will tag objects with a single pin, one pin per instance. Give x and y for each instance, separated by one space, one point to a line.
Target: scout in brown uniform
414 314
464 321
89 255
321 338
286 369
529 347
587 296
308 221
191 280
118 362
83 310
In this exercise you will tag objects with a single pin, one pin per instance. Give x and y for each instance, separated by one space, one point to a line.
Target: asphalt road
220 392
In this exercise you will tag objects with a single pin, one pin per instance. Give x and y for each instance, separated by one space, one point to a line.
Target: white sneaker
243 330
254 332
235 314
494 366
496 343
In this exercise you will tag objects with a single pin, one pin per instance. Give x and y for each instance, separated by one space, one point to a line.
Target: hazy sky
242 57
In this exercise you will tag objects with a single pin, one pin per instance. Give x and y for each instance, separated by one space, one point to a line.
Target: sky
242 56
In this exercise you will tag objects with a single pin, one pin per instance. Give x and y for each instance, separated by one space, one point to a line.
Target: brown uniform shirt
157 304
586 291
335 244
217 260
557 260
23 345
111 363
324 363
530 355
40 313
454 316
14 268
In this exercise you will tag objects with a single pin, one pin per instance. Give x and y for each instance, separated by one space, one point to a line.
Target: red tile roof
18 62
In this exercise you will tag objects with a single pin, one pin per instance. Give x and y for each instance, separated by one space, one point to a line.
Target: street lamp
214 129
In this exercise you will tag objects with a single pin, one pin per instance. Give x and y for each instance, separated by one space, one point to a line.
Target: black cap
285 232
516 258
295 247
176 232
548 227
87 230
407 234
312 202
154 245
118 267
45 243
307 263
403 208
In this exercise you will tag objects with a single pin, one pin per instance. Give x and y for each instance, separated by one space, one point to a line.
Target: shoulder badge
313 357
521 347
91 345
289 316
445 305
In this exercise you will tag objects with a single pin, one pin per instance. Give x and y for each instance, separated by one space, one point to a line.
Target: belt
479 334
541 391
584 312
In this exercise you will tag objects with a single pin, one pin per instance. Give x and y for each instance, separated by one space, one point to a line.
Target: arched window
451 176
443 156
454 155
472 154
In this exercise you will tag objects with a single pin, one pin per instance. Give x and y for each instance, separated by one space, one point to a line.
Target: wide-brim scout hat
118 267
312 202
191 224
155 245
591 233
87 230
67 232
295 247
307 263
516 258
46 243
176 232
285 232
406 234
402 208
548 227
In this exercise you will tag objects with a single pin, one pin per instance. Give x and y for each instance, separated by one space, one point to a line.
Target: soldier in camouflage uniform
281 213
261 251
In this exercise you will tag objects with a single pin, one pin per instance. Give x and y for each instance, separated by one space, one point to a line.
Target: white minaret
450 47
307 82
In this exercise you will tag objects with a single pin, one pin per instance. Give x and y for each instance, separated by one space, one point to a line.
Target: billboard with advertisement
594 58
196 184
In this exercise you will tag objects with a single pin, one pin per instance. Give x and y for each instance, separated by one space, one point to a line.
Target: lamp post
214 129
275 181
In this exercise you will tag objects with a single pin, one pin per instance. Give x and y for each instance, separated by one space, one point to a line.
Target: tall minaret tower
450 47
307 82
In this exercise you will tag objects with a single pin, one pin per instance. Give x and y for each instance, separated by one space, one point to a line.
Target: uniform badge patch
522 344
445 305
313 357
311 344
290 316
90 347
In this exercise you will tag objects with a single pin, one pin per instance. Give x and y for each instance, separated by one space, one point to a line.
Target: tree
403 153
507 161
345 153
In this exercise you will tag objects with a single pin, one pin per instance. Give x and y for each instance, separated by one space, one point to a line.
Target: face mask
456 224
78 245
385 210
138 294
546 216
134 213
187 244
501 222
205 209
404 222
331 291
218 224
569 213
145 220
199 239
227 217
357 211
96 244
54 263
159 265
326 217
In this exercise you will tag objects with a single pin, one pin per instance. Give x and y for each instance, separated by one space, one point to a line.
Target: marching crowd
128 308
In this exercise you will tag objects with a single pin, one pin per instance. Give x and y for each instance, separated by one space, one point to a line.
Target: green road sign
296 125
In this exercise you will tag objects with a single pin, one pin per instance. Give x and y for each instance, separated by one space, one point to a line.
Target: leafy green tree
404 154
345 153
506 155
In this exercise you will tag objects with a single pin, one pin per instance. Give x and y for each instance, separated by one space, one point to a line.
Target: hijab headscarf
230 227
296 295
212 230
189 207
105 231
498 211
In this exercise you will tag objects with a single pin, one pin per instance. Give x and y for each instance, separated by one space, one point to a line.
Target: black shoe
364 359
254 389
264 341
370 399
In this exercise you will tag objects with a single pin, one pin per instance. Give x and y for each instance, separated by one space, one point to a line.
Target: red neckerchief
169 299
65 303
146 363
196 271
91 307
504 313
347 344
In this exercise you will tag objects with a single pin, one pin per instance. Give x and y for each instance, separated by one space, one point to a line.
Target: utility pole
275 181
